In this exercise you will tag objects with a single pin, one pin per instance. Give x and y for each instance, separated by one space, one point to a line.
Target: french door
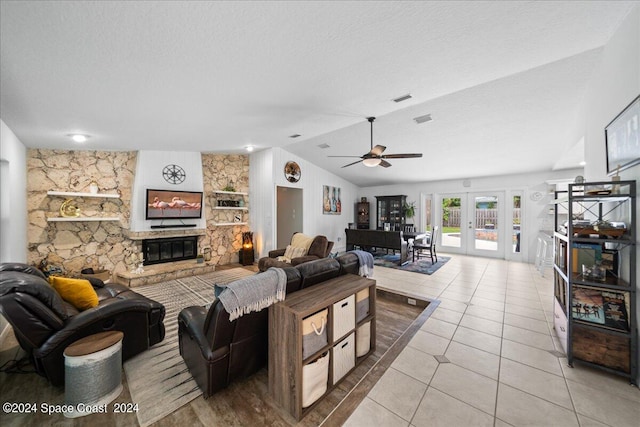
472 223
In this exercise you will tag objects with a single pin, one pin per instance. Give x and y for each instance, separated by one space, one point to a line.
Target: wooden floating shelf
74 194
238 193
237 208
82 218
230 223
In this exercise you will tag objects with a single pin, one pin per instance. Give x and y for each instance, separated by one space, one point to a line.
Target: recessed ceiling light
78 137
423 119
295 135
323 145
582 163
402 98
249 148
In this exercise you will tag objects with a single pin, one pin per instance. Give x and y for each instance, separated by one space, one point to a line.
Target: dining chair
426 247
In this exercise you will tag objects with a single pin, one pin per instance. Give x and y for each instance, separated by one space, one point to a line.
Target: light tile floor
494 326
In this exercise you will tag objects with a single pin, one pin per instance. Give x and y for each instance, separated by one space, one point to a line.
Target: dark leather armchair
320 248
44 324
218 351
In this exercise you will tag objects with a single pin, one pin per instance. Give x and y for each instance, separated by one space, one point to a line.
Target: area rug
423 266
158 379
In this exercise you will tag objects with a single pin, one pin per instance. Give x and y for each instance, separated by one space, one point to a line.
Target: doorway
288 214
472 223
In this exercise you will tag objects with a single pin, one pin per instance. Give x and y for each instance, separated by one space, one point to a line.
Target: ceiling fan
375 157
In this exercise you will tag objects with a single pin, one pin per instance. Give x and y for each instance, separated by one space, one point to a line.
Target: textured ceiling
502 80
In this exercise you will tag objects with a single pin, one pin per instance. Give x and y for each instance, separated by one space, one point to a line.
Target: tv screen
169 204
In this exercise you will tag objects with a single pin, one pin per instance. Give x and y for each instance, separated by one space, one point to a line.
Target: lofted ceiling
503 81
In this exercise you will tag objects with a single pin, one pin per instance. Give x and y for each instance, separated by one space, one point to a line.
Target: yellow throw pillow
77 292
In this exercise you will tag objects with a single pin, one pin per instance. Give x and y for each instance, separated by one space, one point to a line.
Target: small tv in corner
170 204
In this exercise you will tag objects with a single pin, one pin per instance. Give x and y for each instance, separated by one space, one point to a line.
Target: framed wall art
622 139
331 203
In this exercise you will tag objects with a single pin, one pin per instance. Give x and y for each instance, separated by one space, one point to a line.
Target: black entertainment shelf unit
595 275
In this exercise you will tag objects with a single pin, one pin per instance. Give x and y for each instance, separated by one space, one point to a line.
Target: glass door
452 216
472 223
485 224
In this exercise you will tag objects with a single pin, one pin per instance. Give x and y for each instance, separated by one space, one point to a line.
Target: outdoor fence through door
473 223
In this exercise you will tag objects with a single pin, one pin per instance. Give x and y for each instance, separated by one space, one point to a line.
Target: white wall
262 201
267 172
13 196
613 87
536 213
149 176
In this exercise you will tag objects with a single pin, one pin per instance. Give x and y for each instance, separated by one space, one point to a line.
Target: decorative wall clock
292 172
173 174
536 195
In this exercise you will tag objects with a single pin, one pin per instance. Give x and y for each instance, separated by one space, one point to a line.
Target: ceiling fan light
371 163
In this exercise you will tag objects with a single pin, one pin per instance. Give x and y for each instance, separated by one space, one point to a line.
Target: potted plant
409 209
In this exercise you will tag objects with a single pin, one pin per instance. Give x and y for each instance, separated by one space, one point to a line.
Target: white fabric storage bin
344 317
343 357
362 305
314 332
315 376
363 339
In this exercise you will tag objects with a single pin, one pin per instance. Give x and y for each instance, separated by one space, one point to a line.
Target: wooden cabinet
362 215
390 210
350 325
595 275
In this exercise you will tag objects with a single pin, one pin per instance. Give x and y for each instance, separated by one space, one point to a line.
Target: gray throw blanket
365 259
254 293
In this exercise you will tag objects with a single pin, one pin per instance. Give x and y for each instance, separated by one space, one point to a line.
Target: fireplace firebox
171 249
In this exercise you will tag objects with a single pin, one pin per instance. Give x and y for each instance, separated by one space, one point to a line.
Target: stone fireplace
169 249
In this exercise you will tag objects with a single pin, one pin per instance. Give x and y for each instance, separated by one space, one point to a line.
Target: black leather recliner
218 351
45 324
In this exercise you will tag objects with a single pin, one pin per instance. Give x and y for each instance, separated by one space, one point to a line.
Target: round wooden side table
93 373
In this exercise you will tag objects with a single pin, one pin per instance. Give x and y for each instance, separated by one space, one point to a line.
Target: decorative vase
93 187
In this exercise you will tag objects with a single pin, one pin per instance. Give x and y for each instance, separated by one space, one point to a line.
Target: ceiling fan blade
377 150
351 164
384 164
401 156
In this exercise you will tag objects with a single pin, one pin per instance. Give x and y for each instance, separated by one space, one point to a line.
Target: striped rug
158 379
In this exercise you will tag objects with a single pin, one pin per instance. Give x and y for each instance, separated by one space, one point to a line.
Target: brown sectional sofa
218 351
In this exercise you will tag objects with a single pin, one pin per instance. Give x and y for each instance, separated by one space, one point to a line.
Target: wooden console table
286 361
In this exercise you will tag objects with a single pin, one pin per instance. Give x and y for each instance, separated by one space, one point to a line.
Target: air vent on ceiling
403 98
423 119
295 135
323 146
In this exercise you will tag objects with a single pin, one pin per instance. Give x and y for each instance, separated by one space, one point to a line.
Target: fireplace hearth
170 249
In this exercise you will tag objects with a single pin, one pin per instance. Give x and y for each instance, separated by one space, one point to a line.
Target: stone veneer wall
219 170
109 244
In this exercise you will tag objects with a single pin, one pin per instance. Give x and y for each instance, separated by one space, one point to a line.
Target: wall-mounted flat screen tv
622 138
169 204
